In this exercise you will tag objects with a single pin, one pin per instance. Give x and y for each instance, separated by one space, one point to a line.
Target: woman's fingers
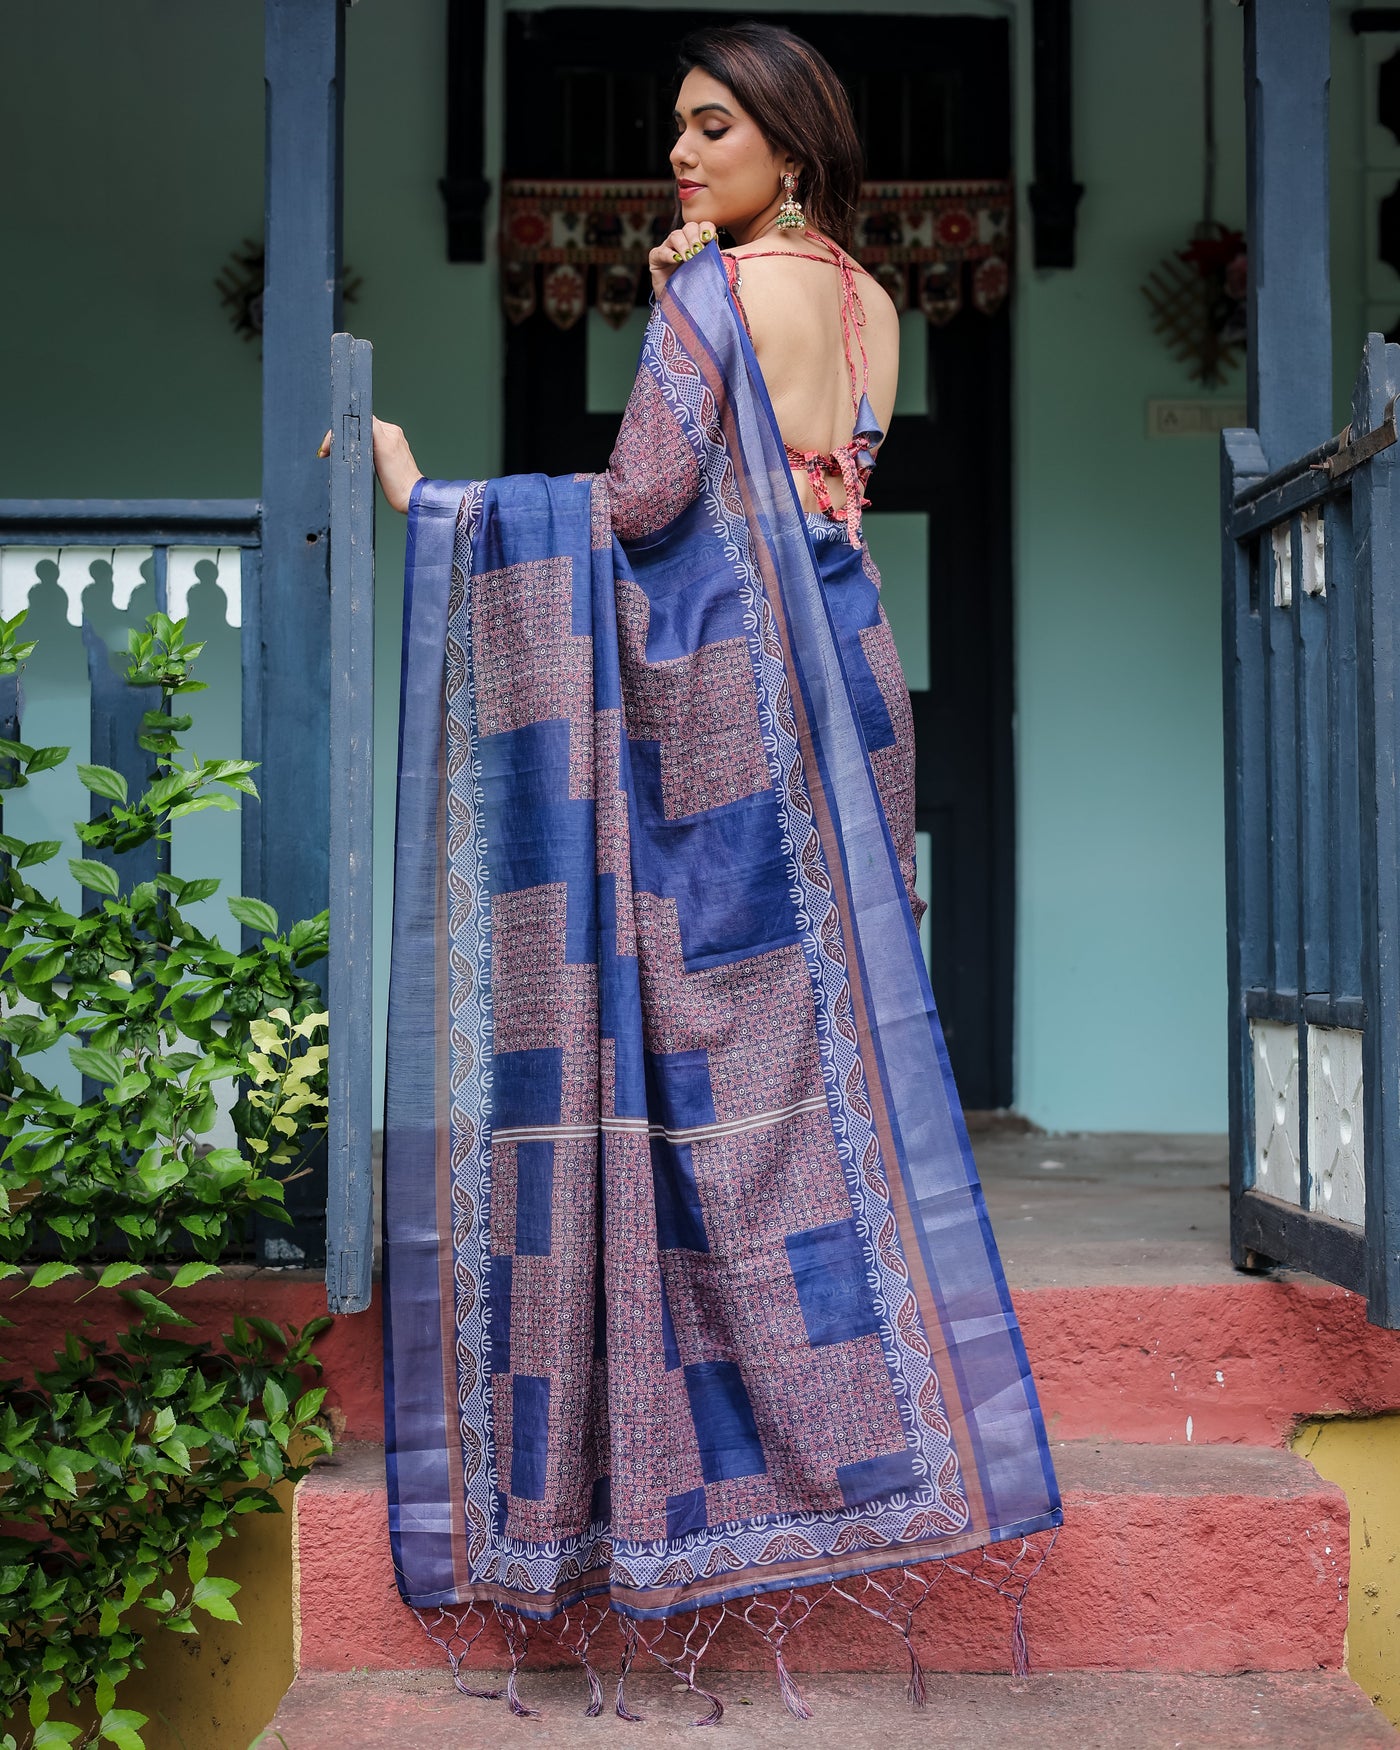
325 448
686 241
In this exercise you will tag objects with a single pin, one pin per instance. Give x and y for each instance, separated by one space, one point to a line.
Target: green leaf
164 791
43 758
203 1006
274 1400
213 1594
96 876
193 891
308 1404
47 1274
122 1726
188 1274
50 1733
199 803
57 1465
39 851
158 1171
256 914
115 1274
156 1310
101 1066
103 781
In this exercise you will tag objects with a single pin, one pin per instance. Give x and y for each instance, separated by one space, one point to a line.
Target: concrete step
1076 1711
1188 1559
1242 1359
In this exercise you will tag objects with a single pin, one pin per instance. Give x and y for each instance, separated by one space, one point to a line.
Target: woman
690 1290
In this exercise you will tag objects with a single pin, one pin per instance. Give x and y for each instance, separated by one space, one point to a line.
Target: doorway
589 93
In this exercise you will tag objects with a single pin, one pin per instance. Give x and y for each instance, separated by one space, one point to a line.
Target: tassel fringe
629 1653
679 1644
1020 1652
914 1689
792 1695
518 1640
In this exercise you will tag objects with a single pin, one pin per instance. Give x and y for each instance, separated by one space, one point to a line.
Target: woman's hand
678 247
393 463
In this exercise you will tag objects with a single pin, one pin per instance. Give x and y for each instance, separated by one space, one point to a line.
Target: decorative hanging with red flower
921 240
1197 298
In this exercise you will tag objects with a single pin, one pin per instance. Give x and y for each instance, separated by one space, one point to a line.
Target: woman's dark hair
800 106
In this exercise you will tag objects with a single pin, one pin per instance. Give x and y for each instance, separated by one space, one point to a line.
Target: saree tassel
1020 1651
518 1640
915 1688
629 1652
476 1694
595 1692
792 1695
716 1713
463 1643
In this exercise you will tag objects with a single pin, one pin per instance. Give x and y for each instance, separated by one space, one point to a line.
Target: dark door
589 95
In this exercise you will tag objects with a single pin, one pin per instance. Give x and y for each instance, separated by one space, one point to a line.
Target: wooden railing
1312 745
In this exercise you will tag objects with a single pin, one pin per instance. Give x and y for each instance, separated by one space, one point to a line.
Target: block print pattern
754 1019
528 664
894 766
542 1002
701 708
725 1400
652 473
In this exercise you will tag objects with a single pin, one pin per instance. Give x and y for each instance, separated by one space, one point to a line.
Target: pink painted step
1242 1359
1200 1559
1238 1360
1074 1711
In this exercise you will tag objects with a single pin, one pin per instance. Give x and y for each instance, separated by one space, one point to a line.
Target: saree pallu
690 1289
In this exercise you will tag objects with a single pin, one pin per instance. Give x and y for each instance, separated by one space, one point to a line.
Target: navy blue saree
690 1290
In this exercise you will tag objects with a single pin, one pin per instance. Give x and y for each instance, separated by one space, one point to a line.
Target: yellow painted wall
219 1689
1362 1456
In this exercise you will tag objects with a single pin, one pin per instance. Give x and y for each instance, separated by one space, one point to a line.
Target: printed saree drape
690 1289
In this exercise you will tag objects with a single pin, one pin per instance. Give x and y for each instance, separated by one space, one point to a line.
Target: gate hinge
1353 452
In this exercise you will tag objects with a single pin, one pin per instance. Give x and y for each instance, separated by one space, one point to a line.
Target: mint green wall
133 154
1120 916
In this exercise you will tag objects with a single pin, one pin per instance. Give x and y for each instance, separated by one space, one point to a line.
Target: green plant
151 1009
123 1468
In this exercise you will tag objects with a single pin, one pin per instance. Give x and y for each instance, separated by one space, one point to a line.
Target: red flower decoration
528 229
1210 254
955 226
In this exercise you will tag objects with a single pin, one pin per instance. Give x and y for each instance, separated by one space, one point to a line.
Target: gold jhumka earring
790 214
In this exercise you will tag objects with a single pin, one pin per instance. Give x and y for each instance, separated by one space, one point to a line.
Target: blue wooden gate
1312 686
1311 642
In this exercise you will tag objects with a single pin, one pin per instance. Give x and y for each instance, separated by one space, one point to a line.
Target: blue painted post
304 41
1246 791
1376 515
1287 69
288 643
349 1201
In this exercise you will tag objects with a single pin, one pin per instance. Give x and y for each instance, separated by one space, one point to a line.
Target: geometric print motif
893 764
679 1341
529 667
701 708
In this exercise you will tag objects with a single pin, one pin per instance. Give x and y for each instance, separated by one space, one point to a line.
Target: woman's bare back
794 315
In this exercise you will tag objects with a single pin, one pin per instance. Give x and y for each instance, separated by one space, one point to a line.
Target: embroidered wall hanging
934 246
